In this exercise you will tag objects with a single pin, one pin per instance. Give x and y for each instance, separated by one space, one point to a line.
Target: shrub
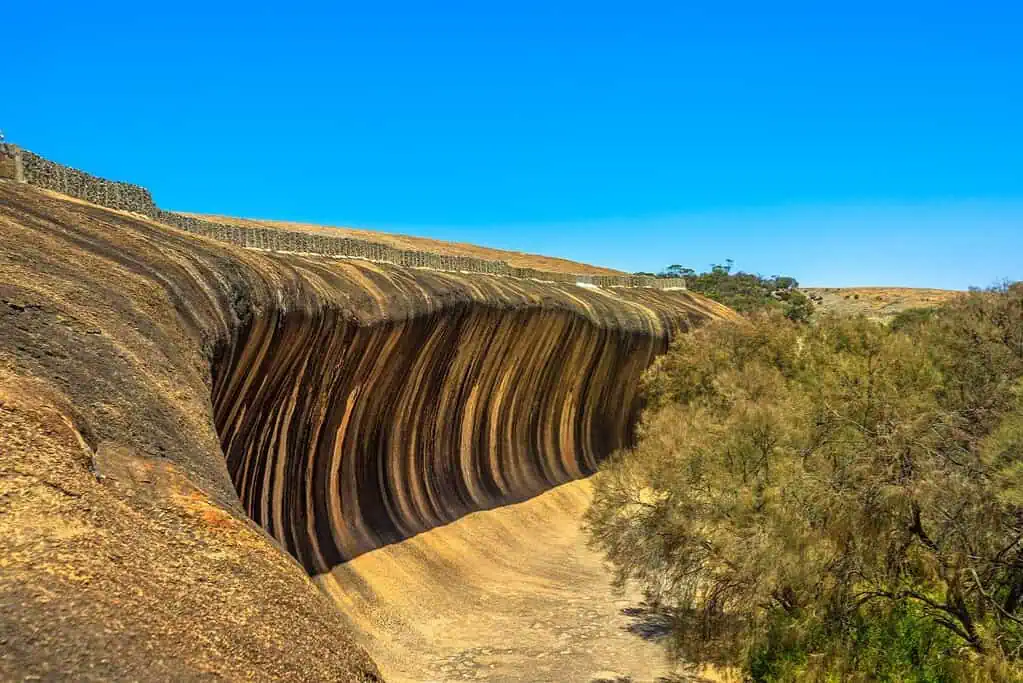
911 319
840 500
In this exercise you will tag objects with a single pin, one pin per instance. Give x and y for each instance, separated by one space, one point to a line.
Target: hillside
159 390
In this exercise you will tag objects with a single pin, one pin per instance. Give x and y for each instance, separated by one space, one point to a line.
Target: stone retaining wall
72 182
22 165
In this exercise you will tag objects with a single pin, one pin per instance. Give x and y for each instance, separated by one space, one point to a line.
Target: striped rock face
180 383
342 436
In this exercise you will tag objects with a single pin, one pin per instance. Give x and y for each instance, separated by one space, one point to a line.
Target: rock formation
347 430
158 387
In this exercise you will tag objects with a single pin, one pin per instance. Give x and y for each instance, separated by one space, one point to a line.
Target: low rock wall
50 175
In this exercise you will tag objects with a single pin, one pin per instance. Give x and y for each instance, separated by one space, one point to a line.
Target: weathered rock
357 404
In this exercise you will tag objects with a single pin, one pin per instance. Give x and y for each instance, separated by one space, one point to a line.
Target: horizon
874 146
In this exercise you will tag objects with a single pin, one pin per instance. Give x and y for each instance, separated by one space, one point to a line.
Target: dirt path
511 594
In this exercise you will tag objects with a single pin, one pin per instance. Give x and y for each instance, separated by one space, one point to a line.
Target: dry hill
876 302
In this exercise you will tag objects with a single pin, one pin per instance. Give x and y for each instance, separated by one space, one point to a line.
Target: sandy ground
510 594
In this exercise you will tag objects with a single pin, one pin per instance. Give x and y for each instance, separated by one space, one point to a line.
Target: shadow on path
649 623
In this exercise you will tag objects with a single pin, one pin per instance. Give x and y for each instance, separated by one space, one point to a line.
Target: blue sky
843 143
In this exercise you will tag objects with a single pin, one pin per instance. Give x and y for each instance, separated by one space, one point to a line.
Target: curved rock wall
342 438
425 396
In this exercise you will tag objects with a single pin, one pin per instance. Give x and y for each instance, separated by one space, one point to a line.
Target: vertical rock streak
342 437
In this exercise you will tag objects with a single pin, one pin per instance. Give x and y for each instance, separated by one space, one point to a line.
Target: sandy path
511 594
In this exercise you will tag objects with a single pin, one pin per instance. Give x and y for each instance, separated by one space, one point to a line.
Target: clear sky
845 143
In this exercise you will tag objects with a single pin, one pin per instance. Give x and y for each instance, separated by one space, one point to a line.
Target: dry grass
877 302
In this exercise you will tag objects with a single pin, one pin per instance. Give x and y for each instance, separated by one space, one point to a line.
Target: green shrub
746 292
912 319
899 644
841 501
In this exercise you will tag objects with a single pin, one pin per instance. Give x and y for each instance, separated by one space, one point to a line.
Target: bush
843 500
898 644
912 319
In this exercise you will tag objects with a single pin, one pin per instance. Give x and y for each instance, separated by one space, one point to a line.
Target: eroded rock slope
157 389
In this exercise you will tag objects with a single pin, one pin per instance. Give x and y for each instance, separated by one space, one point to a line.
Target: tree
839 500
676 271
